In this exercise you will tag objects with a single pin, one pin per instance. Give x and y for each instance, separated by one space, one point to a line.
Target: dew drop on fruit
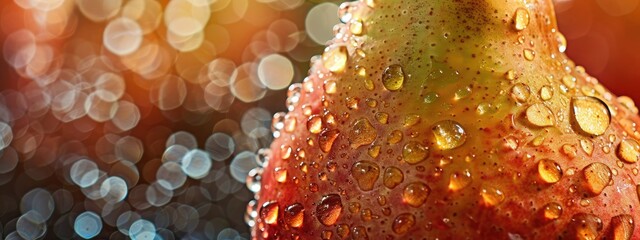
546 92
335 59
629 150
459 180
520 92
414 152
356 27
521 19
362 133
492 196
343 230
462 93
622 226
394 137
382 117
403 223
330 86
329 209
392 177
366 174
562 42
591 115
449 134
486 108
359 233
326 235
415 194
314 124
410 120
529 54
597 176
294 215
326 139
374 151
269 213
431 97
587 146
585 226
393 77
549 171
285 151
552 211
280 174
540 115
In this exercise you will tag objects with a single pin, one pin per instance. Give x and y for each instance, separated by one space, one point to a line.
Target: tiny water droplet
269 213
280 174
415 194
540 115
403 223
294 215
374 151
330 86
459 180
510 75
394 137
414 152
410 120
393 77
382 117
529 54
356 27
552 211
549 171
329 209
521 19
562 42
335 59
343 230
431 97
326 139
449 134
587 146
462 93
492 196
629 150
362 133
520 92
546 92
597 176
366 174
392 177
314 124
591 115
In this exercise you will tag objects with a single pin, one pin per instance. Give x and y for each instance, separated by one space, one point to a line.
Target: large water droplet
269 212
329 209
393 77
403 223
362 133
449 134
326 139
587 146
392 177
591 115
546 92
492 196
366 174
521 19
335 59
597 176
629 150
459 180
540 115
549 171
414 152
552 211
294 215
585 226
622 226
415 194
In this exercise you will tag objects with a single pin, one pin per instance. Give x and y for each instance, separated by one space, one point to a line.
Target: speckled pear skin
458 119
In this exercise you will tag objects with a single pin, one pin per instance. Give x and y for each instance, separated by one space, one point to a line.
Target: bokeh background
142 118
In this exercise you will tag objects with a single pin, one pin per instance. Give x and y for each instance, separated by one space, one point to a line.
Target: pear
458 119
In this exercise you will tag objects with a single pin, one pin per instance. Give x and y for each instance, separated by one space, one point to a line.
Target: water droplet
351 102
591 115
285 151
587 146
343 230
622 226
330 86
359 233
562 42
393 77
597 176
449 134
269 212
366 174
326 235
585 226
335 59
280 174
552 211
314 124
492 196
392 177
520 92
362 133
546 92
294 215
431 97
521 19
462 93
356 27
329 209
394 137
415 194
326 139
459 180
510 75
414 152
629 150
374 151
372 103
540 115
382 117
403 223
486 108
549 171
529 54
